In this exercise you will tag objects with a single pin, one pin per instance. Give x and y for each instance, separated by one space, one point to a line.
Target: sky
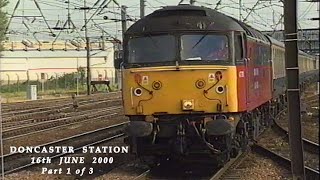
266 16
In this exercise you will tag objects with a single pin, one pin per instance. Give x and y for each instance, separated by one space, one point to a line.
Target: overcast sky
265 17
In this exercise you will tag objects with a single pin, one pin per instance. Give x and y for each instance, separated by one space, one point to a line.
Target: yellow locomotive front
179 85
177 90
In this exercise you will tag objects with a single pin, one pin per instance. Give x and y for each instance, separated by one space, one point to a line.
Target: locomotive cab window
204 47
150 49
239 57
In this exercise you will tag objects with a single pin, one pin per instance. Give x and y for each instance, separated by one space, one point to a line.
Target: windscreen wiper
154 42
200 40
207 32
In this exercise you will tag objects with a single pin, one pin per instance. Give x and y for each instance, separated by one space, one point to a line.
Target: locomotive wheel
149 161
234 152
223 158
244 143
152 161
242 135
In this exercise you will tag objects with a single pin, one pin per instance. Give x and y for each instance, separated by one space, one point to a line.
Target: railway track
277 140
16 161
232 170
142 175
229 171
58 123
312 98
55 113
50 117
308 145
310 173
20 106
309 121
236 167
48 109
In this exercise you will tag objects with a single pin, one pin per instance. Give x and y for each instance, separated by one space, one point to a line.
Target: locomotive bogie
185 136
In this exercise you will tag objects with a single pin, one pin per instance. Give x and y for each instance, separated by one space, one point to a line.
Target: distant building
26 60
308 39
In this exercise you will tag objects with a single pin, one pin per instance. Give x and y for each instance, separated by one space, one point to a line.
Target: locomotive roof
188 17
275 41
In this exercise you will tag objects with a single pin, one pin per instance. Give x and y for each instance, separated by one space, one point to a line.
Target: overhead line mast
192 2
142 6
87 48
34 16
293 89
123 19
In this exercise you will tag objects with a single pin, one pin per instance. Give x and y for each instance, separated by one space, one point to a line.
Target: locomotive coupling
139 129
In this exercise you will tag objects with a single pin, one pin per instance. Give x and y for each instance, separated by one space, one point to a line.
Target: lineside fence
15 88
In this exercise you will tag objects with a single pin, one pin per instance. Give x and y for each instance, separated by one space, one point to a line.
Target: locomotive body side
259 73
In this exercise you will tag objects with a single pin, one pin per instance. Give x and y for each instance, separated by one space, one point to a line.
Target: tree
82 72
3 22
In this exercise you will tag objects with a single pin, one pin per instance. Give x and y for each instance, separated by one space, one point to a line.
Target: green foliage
82 73
3 22
66 82
54 85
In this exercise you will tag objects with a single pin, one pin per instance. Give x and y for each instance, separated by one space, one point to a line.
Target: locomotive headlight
220 89
200 83
137 92
231 118
187 104
156 85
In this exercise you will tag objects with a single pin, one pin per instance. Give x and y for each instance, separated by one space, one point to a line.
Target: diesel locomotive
198 83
